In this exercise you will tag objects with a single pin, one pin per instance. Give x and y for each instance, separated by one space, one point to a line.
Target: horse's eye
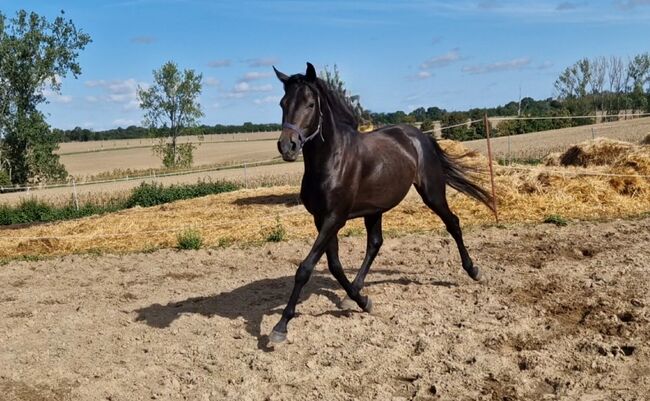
310 105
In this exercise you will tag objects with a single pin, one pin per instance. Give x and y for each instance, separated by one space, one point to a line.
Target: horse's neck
331 143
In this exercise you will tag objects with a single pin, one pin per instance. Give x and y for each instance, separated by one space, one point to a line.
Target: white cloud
56 97
254 75
124 122
212 81
441 61
245 87
219 63
508 65
423 75
631 4
143 40
120 91
262 61
267 100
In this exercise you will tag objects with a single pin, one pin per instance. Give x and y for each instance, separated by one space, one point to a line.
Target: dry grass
247 216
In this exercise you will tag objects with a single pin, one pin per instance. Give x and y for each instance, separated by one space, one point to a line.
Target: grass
190 239
277 233
556 219
32 211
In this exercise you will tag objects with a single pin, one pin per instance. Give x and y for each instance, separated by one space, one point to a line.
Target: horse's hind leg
373 244
432 191
353 293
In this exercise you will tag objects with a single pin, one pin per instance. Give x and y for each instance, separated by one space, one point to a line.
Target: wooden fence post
486 123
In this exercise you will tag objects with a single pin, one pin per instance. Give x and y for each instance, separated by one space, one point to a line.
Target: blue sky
397 55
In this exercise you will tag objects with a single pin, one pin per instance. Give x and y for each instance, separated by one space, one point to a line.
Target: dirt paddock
564 315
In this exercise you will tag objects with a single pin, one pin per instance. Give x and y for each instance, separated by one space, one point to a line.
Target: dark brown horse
349 175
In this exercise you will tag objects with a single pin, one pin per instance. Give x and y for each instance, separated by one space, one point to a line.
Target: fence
244 166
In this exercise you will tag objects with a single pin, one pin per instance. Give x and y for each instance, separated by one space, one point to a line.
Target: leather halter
302 137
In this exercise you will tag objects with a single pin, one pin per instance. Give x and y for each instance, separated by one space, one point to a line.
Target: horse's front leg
327 230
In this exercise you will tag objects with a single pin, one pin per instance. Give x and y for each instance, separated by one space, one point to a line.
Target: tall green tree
172 103
35 54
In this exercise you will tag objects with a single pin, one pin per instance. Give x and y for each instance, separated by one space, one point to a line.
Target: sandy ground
564 315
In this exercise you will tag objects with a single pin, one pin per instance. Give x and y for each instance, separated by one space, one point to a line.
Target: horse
349 175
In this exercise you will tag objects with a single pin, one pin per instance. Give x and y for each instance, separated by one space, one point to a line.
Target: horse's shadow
291 199
254 300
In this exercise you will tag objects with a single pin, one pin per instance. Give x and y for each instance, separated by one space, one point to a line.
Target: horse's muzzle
289 147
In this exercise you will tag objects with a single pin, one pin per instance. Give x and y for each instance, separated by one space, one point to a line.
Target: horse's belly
379 196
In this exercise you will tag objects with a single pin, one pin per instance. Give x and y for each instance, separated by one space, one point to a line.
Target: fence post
74 192
593 134
245 176
489 149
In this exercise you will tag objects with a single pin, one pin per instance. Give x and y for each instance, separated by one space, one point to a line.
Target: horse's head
302 116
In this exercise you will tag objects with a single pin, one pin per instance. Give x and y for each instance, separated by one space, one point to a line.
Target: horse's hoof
477 275
277 337
368 308
348 304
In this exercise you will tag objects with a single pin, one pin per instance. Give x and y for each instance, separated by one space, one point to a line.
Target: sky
397 55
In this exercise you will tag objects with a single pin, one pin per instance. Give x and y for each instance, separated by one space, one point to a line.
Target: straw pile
249 216
631 162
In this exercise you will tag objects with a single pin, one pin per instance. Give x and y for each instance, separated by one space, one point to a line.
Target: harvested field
98 146
539 144
564 315
88 164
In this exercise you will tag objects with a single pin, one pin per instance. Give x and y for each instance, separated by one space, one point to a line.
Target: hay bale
597 152
645 141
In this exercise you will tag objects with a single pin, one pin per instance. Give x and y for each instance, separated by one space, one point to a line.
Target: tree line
79 134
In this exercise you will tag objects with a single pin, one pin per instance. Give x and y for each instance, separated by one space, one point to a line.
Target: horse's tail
456 176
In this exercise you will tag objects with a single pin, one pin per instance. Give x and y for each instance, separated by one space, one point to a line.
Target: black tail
456 176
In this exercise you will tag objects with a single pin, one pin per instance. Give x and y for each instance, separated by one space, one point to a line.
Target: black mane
339 104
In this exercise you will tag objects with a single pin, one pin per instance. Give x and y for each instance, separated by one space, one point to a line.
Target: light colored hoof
348 304
277 338
368 308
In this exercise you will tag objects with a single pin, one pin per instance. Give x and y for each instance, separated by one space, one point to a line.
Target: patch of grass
151 194
532 161
190 239
556 219
225 242
147 194
352 232
277 233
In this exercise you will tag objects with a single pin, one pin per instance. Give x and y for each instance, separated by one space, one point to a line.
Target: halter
301 132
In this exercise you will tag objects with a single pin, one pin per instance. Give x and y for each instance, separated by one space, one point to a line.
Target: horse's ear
311 73
282 77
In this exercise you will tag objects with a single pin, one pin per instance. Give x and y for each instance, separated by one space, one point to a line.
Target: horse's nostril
293 146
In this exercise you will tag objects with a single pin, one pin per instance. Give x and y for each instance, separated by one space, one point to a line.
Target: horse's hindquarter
388 167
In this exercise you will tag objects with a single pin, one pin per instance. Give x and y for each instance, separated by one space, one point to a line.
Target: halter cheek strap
301 132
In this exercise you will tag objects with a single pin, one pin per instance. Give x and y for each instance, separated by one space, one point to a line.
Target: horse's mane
340 105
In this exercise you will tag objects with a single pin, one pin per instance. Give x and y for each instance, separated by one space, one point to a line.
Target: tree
171 103
335 83
35 54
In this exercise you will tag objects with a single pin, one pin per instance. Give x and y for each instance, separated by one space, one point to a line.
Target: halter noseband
302 137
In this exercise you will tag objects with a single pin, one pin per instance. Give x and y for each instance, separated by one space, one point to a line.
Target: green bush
151 194
190 239
33 211
556 219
